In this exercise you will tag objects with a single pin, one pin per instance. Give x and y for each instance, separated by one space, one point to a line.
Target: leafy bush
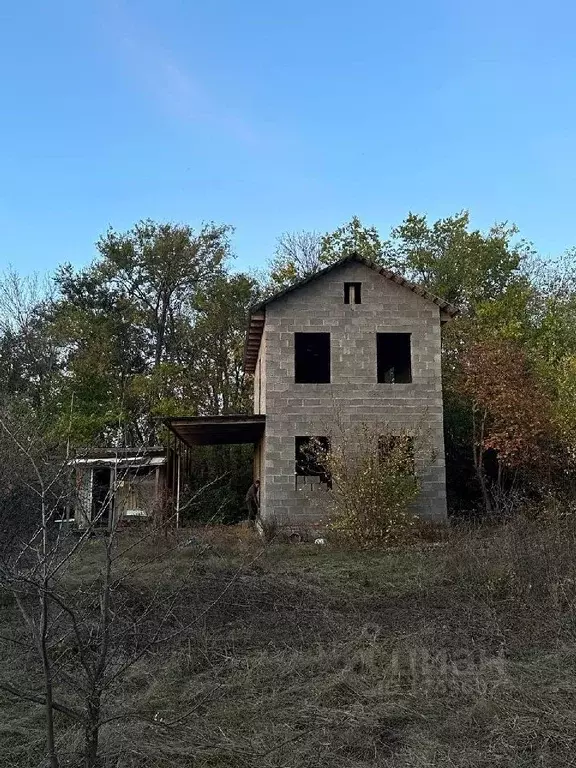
374 484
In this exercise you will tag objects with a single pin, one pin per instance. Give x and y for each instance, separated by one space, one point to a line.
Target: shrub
374 484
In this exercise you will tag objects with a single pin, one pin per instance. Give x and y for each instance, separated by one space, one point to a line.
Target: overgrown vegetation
459 653
374 483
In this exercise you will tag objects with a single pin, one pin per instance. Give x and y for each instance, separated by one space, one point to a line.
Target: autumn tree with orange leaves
511 413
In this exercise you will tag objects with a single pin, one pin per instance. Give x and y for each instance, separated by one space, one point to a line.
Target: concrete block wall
353 396
260 378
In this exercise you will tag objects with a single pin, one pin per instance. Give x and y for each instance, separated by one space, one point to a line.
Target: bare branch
39 699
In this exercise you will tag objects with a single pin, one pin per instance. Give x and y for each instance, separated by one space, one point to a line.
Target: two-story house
353 344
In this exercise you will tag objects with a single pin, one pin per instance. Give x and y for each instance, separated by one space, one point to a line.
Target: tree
163 268
28 358
154 327
213 349
124 325
565 405
510 413
354 237
301 254
297 256
553 346
43 480
212 356
489 276
463 267
102 346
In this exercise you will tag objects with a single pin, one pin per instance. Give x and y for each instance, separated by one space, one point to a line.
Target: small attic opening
352 293
393 358
312 358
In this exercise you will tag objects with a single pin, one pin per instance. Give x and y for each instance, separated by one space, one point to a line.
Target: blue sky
278 116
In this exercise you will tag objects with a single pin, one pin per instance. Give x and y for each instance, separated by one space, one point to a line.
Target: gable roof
258 311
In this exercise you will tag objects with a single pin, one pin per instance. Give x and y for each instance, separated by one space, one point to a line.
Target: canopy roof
217 430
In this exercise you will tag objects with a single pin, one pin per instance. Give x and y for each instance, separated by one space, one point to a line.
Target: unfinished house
354 344
119 485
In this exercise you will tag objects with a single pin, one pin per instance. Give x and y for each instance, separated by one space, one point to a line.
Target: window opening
308 456
393 356
352 293
312 358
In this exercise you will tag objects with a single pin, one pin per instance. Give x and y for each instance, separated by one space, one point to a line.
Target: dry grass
456 654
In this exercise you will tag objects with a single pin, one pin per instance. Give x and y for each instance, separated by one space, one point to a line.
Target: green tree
299 255
489 276
125 322
102 347
28 357
163 269
354 237
213 357
214 348
462 266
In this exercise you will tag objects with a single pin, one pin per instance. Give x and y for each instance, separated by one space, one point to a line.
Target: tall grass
457 654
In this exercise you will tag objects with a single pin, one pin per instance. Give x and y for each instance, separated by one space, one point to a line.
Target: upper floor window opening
393 358
312 358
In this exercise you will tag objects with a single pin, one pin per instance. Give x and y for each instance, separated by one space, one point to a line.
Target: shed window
312 358
352 293
393 354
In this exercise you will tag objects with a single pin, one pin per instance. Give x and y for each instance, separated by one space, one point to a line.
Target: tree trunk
94 698
161 321
48 708
478 454
480 474
43 638
92 731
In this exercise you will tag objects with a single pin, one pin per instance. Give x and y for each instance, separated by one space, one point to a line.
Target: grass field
459 653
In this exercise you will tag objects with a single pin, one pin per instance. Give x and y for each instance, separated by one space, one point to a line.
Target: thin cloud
165 80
